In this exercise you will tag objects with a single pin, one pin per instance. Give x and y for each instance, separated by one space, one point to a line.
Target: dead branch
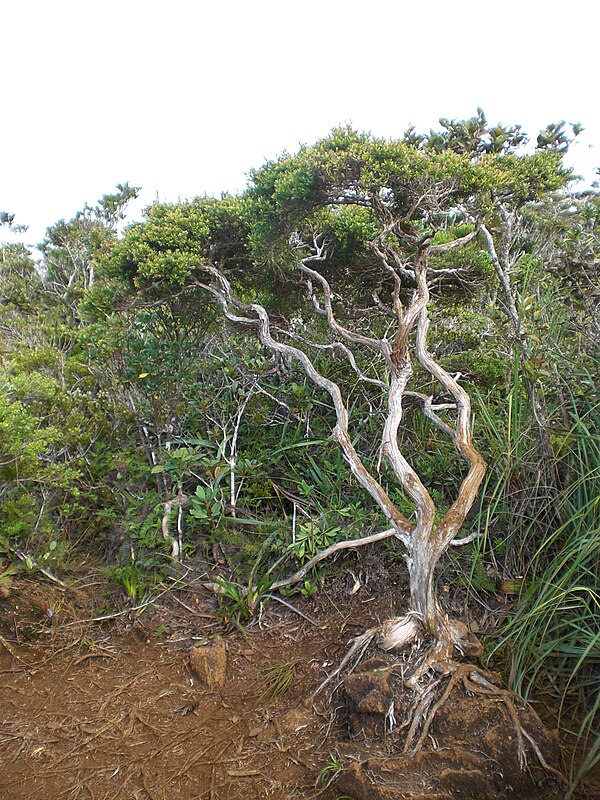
179 500
23 557
295 610
461 242
377 345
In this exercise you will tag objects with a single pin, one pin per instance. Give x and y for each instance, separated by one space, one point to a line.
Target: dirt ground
113 710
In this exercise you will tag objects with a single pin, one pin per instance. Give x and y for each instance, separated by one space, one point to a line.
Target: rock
358 781
209 663
369 697
369 692
444 775
471 751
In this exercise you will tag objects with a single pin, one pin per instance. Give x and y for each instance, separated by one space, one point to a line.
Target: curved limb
329 551
378 345
453 519
259 321
339 346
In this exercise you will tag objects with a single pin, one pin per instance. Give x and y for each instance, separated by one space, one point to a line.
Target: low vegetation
328 360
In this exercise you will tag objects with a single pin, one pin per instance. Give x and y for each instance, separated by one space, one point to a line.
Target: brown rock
360 783
369 696
369 692
471 753
209 663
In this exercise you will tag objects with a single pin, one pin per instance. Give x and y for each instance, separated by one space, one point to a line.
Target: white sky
183 97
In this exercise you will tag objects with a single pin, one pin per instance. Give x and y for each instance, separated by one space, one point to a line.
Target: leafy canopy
348 186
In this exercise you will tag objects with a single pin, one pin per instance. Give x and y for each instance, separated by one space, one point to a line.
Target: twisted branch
260 322
461 435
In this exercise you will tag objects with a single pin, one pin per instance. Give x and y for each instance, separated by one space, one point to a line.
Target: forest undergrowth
138 432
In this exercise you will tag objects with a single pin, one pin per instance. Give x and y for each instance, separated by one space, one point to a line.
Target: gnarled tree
366 227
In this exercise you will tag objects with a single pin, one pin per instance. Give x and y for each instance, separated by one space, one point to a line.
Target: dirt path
114 710
101 714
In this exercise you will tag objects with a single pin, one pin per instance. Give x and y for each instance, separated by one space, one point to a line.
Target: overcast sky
183 97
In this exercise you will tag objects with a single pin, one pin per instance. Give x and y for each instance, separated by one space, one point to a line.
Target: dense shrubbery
129 415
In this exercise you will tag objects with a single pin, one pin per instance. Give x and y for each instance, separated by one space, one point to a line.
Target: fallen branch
359 646
25 558
295 610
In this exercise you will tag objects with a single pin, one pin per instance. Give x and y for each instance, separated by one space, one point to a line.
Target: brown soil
113 710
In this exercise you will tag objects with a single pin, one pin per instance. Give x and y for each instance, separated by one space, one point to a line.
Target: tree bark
425 541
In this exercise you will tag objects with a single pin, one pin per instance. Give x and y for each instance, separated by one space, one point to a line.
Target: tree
56 430
71 249
359 231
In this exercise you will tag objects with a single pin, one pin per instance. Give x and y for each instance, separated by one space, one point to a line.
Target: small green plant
51 549
239 602
308 589
6 580
206 503
277 679
310 539
131 578
329 772
233 601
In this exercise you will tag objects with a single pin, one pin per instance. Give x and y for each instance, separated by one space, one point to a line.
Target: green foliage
310 540
277 680
119 389
73 250
6 579
206 504
302 193
21 287
176 239
329 771
131 578
239 602
472 135
553 638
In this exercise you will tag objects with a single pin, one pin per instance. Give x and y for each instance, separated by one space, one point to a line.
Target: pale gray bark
424 541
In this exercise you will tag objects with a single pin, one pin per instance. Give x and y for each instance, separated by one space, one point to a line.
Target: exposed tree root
432 674
356 652
475 681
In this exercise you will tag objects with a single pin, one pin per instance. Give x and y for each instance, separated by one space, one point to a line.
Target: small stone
209 663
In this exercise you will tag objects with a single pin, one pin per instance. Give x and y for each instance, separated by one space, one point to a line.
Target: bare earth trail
115 711
106 713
